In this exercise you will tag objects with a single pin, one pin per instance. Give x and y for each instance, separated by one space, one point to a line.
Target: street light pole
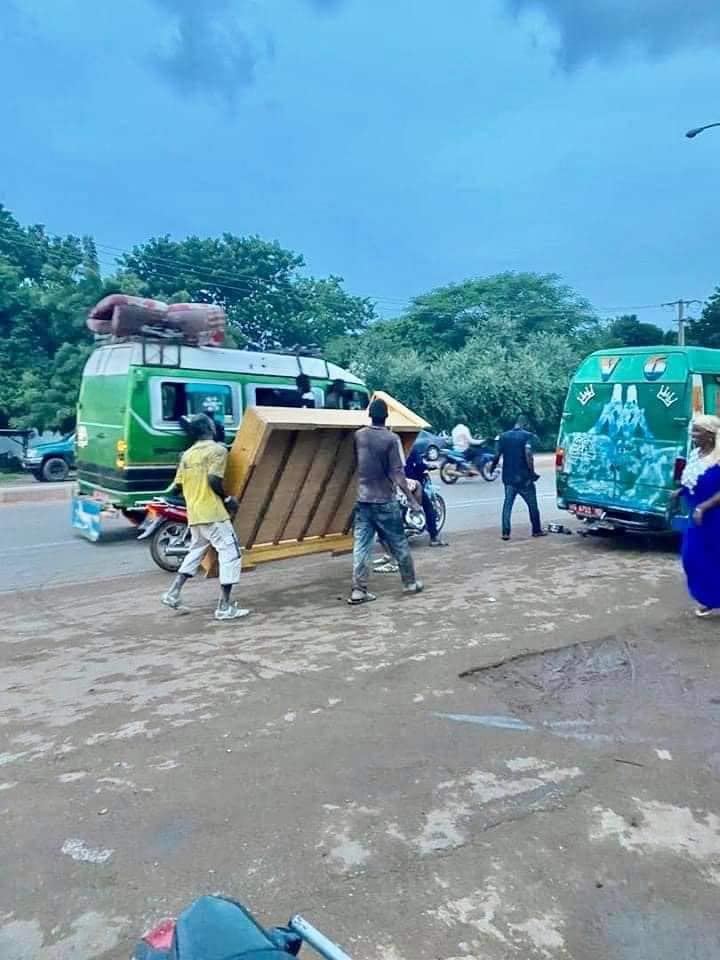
696 130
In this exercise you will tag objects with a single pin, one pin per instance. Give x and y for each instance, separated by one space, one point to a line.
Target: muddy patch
628 688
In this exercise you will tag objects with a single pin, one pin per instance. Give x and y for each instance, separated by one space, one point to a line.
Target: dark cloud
211 53
215 50
607 29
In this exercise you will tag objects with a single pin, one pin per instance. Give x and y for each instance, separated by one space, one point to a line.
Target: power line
249 284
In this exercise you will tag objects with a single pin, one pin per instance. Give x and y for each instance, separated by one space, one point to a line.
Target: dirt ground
523 762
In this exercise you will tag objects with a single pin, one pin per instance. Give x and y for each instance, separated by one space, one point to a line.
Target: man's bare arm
397 472
218 488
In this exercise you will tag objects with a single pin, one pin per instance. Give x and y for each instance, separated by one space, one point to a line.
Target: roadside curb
37 493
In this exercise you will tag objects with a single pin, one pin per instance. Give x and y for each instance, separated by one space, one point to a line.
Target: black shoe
541 533
505 536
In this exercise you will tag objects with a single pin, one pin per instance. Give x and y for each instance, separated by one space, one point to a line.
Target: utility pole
681 304
681 323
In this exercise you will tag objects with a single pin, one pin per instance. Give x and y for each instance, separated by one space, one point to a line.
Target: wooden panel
343 515
340 476
293 472
287 486
249 443
295 479
311 493
260 484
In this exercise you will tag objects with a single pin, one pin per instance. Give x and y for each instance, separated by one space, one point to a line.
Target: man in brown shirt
377 512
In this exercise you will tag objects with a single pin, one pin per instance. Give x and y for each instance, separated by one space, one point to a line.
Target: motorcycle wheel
165 533
449 473
488 473
414 522
440 511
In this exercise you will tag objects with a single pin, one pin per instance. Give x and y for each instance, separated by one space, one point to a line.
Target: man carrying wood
200 480
377 512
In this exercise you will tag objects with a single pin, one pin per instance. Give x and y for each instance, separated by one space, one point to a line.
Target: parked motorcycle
225 930
166 527
477 461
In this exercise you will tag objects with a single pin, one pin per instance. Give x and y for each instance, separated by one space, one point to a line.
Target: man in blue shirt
515 449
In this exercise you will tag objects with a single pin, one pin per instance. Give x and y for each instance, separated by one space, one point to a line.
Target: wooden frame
293 473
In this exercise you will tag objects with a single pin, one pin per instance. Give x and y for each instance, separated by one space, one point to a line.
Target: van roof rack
311 352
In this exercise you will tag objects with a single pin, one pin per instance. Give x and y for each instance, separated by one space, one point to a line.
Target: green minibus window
180 399
173 401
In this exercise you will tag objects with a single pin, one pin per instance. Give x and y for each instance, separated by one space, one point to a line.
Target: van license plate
583 510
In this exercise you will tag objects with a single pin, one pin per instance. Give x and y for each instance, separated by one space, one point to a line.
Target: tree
500 308
628 331
269 305
705 331
484 384
46 286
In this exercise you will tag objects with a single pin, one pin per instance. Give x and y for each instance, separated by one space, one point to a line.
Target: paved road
38 547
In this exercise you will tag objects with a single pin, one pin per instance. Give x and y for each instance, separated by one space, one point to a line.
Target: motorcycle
223 929
166 527
414 520
477 461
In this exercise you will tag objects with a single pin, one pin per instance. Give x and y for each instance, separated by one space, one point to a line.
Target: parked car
430 444
52 460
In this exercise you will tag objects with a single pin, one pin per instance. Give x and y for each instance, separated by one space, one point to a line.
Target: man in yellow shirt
200 480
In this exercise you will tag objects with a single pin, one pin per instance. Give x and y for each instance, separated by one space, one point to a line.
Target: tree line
480 350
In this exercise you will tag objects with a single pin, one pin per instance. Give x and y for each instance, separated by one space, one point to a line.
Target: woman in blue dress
701 491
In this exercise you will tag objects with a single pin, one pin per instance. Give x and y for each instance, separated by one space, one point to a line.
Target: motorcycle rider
416 470
200 480
464 442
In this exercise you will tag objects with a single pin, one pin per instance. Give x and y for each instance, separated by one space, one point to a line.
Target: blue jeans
529 495
385 521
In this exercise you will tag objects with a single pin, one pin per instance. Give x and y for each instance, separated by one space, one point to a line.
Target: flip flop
366 598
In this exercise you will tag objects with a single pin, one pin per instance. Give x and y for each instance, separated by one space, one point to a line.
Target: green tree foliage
628 331
481 351
48 284
504 307
705 331
269 305
484 384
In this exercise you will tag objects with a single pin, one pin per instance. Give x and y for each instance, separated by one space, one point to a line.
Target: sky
400 144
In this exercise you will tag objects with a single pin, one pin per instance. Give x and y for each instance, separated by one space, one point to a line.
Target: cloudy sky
400 143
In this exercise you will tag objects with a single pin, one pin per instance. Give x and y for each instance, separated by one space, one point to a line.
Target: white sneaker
231 612
171 600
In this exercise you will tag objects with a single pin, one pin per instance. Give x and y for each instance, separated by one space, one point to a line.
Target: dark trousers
429 511
385 521
529 495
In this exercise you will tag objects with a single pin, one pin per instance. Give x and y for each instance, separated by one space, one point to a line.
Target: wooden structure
293 471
